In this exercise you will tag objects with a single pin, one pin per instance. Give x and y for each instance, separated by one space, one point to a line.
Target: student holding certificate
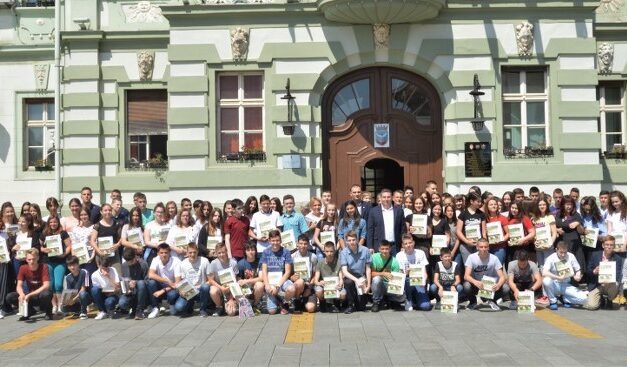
479 265
471 225
212 229
180 234
55 247
163 276
262 222
447 276
595 229
355 260
304 266
292 219
236 229
250 275
410 260
76 284
36 277
195 269
135 275
26 237
569 229
382 266
328 223
496 229
7 280
329 270
604 278
351 221
518 218
105 288
546 231
276 266
133 232
522 275
418 223
222 271
558 270
617 219
107 228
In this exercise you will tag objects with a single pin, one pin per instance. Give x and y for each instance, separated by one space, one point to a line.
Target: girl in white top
171 211
265 214
68 223
202 217
313 217
134 224
182 228
81 233
156 231
617 216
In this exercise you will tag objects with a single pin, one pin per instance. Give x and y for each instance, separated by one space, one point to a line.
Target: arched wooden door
410 107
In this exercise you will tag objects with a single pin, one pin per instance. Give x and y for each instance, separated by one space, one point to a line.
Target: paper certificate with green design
486 289
80 251
53 243
181 241
473 232
543 237
163 233
186 289
105 244
226 276
12 229
619 240
416 275
396 284
274 277
607 272
4 251
526 302
67 295
24 244
135 237
288 240
419 222
589 239
236 290
516 233
212 242
563 269
449 302
330 287
438 242
264 227
495 232
327 236
302 268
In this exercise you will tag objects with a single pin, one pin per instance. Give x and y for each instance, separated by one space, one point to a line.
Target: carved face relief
381 34
239 43
145 64
524 38
606 57
143 12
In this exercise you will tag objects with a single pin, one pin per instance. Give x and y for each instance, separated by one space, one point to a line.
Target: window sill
528 153
31 174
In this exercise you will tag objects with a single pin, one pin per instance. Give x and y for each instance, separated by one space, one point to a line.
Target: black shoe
332 308
24 318
49 317
349 310
375 307
397 307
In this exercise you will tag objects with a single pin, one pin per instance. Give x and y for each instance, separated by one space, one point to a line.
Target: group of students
264 255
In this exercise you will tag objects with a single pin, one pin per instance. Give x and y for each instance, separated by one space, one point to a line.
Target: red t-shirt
503 220
34 279
238 230
527 225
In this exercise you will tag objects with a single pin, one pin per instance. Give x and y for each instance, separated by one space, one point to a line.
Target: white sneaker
83 316
408 306
154 313
493 306
101 315
2 314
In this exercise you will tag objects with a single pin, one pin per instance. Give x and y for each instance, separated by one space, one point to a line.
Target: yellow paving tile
300 330
566 325
38 334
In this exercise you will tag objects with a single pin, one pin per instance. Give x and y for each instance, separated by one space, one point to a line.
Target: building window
525 109
240 112
39 122
147 127
612 116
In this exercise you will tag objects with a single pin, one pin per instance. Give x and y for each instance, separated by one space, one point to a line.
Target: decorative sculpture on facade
610 6
41 72
606 57
145 64
381 35
143 12
239 43
524 39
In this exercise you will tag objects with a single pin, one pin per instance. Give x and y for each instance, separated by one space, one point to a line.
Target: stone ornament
143 12
41 72
524 39
605 56
611 6
381 35
145 64
239 43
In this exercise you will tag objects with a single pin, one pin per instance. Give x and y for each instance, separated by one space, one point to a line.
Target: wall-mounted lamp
288 129
83 23
477 122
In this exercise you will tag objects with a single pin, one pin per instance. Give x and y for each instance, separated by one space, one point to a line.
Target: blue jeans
417 295
500 254
172 295
380 290
433 290
571 294
104 303
139 298
183 305
273 302
84 301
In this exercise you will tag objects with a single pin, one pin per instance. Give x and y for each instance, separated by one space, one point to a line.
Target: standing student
78 280
134 223
236 230
617 217
591 218
351 221
326 198
265 214
36 277
163 276
105 287
355 260
7 275
569 228
522 275
140 202
153 232
423 241
82 234
447 276
203 216
517 216
472 215
107 228
330 266
56 264
251 206
291 219
556 284
604 203
451 220
135 271
602 294
35 213
304 293
277 266
329 222
275 204
182 228
171 212
121 212
213 228
439 227
416 296
25 230
250 275
542 217
118 217
52 205
314 216
94 210
68 223
492 213
506 200
479 264
355 195
195 269
385 222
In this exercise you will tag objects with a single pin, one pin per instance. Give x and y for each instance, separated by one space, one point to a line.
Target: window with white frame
525 108
39 140
240 112
612 117
146 127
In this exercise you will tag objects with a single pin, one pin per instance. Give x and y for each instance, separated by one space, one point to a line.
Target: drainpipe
57 98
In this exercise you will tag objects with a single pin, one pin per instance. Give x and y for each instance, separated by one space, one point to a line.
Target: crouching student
276 266
329 267
383 264
135 273
557 272
195 270
36 277
250 276
304 293
105 287
416 296
602 294
355 260
522 275
77 280
483 263
220 293
163 276
447 276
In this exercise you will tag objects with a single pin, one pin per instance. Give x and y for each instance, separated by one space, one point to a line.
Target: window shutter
147 112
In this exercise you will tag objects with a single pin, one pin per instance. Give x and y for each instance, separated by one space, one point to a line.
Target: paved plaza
569 337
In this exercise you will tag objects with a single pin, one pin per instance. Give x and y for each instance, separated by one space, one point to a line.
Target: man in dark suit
598 289
385 222
362 207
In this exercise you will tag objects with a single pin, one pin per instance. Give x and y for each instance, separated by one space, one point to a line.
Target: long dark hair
48 231
595 214
567 199
212 227
5 205
519 205
623 206
130 218
247 210
357 217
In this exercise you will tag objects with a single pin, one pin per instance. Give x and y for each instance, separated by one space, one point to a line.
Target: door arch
408 103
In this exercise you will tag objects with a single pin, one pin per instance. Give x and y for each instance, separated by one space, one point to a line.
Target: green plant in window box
617 152
538 151
158 161
253 154
43 165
